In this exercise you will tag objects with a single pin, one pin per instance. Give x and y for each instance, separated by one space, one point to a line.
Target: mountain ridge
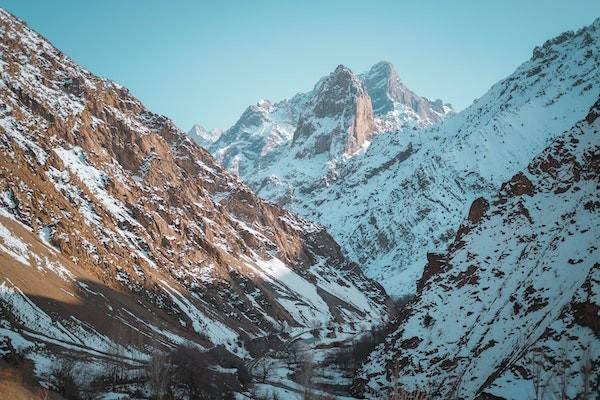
326 118
124 215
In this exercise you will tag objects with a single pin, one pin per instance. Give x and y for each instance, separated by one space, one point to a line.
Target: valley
357 241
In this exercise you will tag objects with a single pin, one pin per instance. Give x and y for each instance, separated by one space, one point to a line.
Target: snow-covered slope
258 135
138 229
405 194
515 302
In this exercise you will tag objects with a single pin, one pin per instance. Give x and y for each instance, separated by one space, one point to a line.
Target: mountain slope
114 220
405 194
262 131
515 300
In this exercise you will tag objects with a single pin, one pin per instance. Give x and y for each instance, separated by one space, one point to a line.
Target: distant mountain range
390 195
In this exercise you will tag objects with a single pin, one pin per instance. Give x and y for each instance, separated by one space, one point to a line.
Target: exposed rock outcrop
388 93
338 119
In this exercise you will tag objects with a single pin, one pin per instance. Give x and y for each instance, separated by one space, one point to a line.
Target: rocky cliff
338 119
389 94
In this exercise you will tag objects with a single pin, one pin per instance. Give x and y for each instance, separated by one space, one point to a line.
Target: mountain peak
204 137
383 67
342 80
264 104
388 93
339 119
342 68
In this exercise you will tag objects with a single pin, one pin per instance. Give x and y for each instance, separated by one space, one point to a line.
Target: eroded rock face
339 118
123 200
515 298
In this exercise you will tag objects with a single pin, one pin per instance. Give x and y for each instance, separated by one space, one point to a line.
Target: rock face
338 119
515 299
113 216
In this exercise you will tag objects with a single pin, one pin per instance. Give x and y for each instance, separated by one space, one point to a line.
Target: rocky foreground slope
512 309
405 194
118 231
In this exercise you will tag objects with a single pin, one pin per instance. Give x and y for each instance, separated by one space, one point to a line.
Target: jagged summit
334 121
378 80
388 93
338 119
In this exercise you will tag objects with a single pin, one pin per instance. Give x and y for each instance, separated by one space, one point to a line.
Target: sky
205 62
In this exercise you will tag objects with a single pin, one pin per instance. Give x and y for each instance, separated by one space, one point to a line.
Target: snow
216 331
298 296
13 246
53 266
329 281
510 284
94 179
8 199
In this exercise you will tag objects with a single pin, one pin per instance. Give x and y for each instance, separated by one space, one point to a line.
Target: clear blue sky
206 62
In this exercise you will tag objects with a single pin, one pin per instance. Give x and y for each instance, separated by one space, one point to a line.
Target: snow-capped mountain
512 310
397 106
258 136
332 122
204 137
123 239
404 195
113 220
